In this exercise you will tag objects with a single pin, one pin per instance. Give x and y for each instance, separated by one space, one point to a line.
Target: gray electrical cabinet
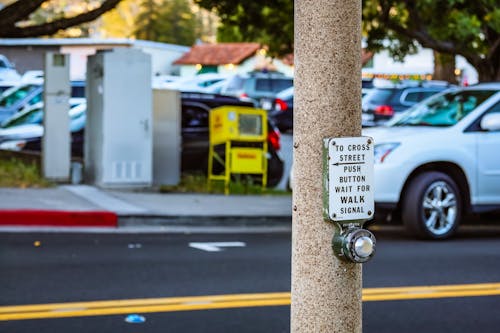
118 131
56 153
166 137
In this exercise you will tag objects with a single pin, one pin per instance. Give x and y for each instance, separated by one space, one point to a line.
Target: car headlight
381 151
16 145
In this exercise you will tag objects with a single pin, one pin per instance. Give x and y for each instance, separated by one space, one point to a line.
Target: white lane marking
215 246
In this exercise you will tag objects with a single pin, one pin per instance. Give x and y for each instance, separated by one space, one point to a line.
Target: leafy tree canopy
15 18
168 21
264 21
470 28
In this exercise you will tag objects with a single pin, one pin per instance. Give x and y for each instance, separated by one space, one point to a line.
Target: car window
494 109
78 91
11 97
208 83
194 117
427 94
37 98
272 85
4 88
378 96
235 84
367 83
443 110
34 116
413 97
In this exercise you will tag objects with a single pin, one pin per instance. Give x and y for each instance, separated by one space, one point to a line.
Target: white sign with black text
350 178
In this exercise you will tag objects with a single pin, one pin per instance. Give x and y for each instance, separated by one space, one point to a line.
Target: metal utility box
118 132
56 151
166 137
238 143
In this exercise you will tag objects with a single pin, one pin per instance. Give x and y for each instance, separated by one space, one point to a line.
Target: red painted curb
58 218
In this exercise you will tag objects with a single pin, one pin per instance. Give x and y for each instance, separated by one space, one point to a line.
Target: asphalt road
61 268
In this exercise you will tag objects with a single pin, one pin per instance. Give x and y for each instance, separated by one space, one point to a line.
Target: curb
149 220
58 218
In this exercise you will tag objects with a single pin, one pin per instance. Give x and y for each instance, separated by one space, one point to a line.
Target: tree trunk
487 70
444 67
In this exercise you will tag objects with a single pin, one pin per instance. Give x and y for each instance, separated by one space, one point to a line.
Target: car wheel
432 206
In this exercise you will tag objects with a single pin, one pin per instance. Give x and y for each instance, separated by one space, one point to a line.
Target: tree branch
495 47
420 34
17 11
52 27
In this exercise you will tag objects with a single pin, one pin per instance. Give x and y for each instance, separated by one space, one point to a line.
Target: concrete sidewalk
140 208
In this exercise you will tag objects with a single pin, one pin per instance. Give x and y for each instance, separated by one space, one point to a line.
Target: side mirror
491 122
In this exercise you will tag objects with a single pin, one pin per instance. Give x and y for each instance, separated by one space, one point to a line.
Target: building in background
28 53
229 58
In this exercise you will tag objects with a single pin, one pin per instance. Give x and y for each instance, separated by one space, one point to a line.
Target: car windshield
34 116
273 85
442 110
378 96
235 84
10 97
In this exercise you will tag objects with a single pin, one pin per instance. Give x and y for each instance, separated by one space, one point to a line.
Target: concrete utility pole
326 292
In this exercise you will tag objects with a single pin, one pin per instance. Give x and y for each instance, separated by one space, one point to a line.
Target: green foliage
197 183
492 19
16 173
470 28
168 21
267 22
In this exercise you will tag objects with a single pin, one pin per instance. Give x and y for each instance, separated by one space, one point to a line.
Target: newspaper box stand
238 143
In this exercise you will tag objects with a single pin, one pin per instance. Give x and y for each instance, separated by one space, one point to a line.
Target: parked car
195 134
33 76
386 99
195 84
282 112
17 98
161 81
6 85
7 70
260 87
440 160
24 130
194 130
366 86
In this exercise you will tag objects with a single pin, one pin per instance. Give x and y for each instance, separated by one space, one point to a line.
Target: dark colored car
26 94
195 134
259 87
282 112
366 86
386 99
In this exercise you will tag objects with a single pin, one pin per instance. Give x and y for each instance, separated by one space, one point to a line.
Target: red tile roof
218 54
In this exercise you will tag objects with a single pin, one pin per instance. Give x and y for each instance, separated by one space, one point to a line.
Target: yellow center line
192 303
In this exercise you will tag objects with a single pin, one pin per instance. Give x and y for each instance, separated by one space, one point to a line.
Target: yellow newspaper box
238 143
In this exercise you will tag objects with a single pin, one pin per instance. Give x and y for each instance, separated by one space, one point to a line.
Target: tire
432 206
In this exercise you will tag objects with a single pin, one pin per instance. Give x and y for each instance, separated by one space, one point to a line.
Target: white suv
440 160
